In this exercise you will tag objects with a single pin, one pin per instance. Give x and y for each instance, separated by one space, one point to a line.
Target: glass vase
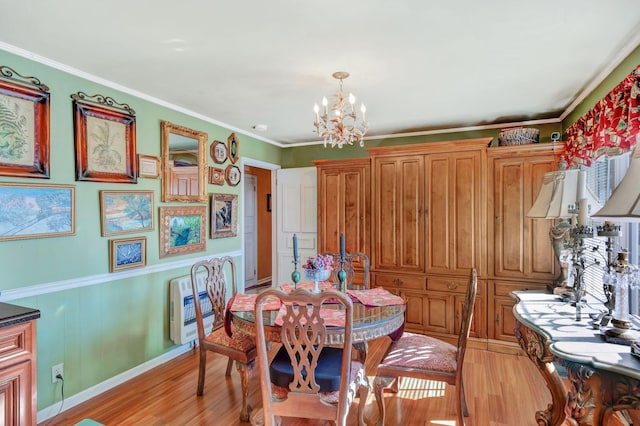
317 275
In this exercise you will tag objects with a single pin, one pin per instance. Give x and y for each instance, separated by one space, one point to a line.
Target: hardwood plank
502 390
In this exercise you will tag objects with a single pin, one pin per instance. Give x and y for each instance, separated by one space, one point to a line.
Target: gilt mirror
184 164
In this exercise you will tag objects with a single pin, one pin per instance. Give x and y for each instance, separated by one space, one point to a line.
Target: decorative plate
233 148
218 152
232 175
216 176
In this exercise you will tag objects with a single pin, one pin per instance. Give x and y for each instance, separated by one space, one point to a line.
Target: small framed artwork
105 139
124 212
233 148
36 211
127 253
216 176
218 152
182 230
232 175
224 215
148 166
24 125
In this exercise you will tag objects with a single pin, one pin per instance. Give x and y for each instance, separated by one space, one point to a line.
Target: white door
296 214
250 231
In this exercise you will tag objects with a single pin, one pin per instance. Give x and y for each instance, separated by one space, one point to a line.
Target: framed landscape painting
36 211
127 253
24 125
182 230
123 212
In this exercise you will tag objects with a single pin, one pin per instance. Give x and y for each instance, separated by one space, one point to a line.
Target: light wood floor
502 390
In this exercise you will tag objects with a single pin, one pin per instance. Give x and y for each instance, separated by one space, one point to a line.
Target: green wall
102 324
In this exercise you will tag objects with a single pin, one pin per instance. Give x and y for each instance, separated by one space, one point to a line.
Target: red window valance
611 127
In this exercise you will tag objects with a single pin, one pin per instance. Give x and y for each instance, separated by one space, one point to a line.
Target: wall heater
182 310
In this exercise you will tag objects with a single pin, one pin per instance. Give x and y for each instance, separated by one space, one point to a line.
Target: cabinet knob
452 286
397 281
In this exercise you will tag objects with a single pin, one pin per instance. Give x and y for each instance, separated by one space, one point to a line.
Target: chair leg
363 394
463 410
202 370
229 365
379 383
245 409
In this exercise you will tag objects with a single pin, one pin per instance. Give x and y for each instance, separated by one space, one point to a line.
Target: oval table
368 323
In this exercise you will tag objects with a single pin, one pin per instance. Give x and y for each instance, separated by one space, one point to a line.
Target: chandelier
339 124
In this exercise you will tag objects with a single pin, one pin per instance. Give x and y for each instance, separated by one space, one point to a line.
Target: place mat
376 297
247 302
331 317
322 285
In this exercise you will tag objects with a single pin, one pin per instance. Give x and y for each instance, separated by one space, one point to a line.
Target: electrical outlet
55 370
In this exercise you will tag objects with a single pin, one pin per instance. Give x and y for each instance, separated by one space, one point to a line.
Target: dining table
376 313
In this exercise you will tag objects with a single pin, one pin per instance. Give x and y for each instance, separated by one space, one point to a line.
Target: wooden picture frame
105 139
218 152
182 230
127 253
148 166
36 211
232 175
233 148
25 121
224 215
216 176
123 212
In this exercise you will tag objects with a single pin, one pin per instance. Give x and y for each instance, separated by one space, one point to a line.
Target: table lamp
623 206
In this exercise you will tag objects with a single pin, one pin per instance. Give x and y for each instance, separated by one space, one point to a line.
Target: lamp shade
624 203
560 194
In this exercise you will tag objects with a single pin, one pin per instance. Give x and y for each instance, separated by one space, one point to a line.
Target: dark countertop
14 314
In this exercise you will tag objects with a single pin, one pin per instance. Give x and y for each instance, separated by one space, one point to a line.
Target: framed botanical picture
233 148
232 175
24 125
182 230
124 212
218 152
216 176
224 215
127 253
148 166
36 211
105 139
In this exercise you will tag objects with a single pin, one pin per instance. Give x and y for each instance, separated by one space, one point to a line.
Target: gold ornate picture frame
224 215
127 253
105 139
182 230
24 120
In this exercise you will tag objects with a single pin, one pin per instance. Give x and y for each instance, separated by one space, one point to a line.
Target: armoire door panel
438 215
509 179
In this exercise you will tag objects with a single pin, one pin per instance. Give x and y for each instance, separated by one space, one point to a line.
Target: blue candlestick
342 246
295 247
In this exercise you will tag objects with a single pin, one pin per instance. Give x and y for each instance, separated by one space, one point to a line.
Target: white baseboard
79 398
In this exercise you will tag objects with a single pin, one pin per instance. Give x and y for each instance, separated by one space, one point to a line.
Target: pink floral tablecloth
331 317
375 297
247 302
322 285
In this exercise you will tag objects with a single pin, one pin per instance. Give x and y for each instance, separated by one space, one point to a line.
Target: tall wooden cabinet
428 229
344 206
520 254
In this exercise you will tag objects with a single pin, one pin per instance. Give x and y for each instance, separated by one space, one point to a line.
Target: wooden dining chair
239 348
423 357
307 378
353 264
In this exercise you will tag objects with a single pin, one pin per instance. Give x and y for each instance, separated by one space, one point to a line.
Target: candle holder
295 275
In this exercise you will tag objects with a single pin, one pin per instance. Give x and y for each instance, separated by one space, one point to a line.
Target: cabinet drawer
400 281
447 285
503 289
15 341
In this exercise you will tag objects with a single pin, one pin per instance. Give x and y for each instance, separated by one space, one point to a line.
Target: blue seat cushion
327 370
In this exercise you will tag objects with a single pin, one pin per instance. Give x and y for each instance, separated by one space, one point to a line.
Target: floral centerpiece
318 269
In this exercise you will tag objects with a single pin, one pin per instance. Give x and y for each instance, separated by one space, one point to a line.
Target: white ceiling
418 65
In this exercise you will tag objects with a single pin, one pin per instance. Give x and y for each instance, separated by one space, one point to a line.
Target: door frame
246 161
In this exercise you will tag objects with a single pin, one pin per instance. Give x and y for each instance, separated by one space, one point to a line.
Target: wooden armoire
427 213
